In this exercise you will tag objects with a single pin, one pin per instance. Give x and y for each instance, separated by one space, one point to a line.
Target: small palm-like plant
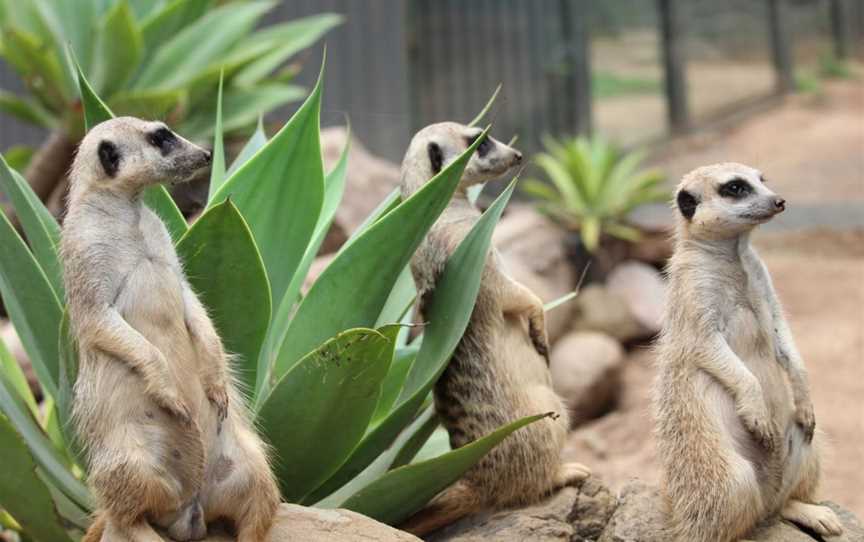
593 187
335 385
147 58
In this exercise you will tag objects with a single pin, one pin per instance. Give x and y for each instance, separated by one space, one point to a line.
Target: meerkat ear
109 156
436 157
687 204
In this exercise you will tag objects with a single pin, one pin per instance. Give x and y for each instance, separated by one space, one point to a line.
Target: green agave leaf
394 381
147 104
285 40
25 109
400 300
382 463
31 303
23 494
118 50
11 371
40 227
590 232
72 23
401 492
179 59
334 187
242 106
448 317
255 143
25 52
224 267
416 442
337 385
48 459
217 170
335 302
18 157
476 120
68 374
143 8
280 191
159 26
156 198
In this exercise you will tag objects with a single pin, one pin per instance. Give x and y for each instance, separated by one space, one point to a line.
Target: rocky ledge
592 513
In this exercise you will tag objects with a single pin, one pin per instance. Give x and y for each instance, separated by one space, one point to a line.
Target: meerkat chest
749 328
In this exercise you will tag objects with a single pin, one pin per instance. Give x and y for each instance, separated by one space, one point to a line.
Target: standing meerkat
499 371
166 433
732 404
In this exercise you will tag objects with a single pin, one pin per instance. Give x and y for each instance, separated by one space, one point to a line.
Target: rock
13 343
586 373
639 516
296 522
598 309
534 252
572 514
644 290
370 179
654 248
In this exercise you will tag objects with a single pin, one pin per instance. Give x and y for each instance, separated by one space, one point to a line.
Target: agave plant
335 386
594 187
150 58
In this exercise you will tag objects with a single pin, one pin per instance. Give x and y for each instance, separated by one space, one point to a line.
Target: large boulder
586 373
644 291
598 309
593 513
534 252
305 524
370 179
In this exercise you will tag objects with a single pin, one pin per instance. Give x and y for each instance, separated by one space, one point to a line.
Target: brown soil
812 152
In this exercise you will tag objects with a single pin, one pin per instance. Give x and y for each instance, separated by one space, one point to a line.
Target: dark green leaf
39 225
22 492
337 385
217 170
25 109
118 49
400 493
11 371
280 191
225 269
159 26
31 303
255 143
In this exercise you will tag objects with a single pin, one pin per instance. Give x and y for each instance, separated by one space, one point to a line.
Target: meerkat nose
780 204
208 155
518 157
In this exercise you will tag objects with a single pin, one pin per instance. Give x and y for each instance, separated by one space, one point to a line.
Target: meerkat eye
163 139
484 147
735 189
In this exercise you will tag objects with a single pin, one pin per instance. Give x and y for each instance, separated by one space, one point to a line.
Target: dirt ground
812 151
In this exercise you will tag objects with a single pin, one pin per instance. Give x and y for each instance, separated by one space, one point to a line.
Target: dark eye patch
109 157
163 139
687 204
436 157
737 188
484 147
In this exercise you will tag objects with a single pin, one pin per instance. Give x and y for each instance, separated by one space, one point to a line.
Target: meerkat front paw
819 518
170 401
571 474
539 337
805 418
217 394
759 424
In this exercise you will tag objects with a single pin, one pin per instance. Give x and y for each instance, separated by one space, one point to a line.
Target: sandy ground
813 153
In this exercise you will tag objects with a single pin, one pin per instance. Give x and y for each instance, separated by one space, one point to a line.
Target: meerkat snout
725 200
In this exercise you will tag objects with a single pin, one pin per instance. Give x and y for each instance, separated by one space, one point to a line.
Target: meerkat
167 437
732 405
499 371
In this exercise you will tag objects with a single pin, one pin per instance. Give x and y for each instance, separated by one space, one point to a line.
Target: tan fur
733 414
155 404
499 372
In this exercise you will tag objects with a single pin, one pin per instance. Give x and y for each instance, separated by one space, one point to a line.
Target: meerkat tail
97 528
451 505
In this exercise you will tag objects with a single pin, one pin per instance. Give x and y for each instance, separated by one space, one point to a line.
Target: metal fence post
840 14
780 47
571 90
674 69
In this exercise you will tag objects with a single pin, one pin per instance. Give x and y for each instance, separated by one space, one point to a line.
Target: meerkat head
126 154
437 145
723 201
